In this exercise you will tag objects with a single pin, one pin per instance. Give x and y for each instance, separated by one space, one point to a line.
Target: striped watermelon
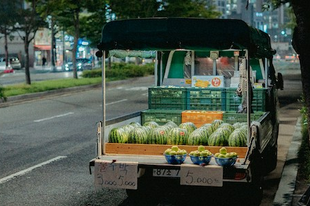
171 124
208 127
237 139
135 124
118 135
237 125
206 131
189 126
158 135
218 138
216 123
151 124
244 128
228 126
138 136
177 136
195 138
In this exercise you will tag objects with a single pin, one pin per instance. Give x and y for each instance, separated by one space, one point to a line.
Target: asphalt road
46 145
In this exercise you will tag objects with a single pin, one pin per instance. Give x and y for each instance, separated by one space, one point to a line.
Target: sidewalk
289 137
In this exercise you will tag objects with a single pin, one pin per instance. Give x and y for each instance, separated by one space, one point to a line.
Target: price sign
210 175
116 174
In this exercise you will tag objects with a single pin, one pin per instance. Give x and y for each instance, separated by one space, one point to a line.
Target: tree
67 15
125 9
8 14
165 8
188 8
28 24
301 43
92 23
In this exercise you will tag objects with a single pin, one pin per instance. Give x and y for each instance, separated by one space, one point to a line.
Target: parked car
81 64
15 63
4 68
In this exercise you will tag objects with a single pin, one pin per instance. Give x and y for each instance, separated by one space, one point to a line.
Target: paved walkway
289 142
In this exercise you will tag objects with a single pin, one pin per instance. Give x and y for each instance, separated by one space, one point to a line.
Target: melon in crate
219 137
117 135
170 124
138 135
158 135
216 124
228 126
151 124
177 136
237 138
189 126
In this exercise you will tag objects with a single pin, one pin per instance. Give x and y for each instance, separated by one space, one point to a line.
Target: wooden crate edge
157 149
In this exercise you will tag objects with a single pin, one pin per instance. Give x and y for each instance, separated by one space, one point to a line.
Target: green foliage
122 71
2 95
8 14
188 8
166 8
42 86
304 150
125 9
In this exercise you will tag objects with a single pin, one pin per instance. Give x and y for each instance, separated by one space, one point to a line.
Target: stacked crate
167 98
165 104
210 99
258 104
233 117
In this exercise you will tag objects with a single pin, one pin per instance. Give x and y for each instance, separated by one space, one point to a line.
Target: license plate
166 173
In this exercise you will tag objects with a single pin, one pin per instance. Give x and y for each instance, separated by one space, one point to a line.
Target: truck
205 70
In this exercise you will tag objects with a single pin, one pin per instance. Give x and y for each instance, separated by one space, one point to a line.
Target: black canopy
185 33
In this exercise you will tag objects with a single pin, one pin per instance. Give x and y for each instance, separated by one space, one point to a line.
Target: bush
304 150
122 71
2 95
92 73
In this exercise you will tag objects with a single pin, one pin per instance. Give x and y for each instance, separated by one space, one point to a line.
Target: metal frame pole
103 103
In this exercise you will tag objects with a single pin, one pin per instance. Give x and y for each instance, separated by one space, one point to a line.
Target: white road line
49 118
122 100
23 172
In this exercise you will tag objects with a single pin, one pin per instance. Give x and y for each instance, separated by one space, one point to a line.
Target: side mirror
279 82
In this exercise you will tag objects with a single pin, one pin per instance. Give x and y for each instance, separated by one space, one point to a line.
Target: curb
284 195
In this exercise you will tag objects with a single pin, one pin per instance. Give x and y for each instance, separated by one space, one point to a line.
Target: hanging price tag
116 174
210 175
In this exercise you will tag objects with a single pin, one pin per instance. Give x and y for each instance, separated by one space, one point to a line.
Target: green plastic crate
161 116
167 98
233 100
210 99
233 117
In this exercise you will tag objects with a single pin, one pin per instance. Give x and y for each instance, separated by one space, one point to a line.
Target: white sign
122 175
208 81
210 175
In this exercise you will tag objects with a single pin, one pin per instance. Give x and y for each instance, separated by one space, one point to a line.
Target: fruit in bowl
224 158
201 156
175 155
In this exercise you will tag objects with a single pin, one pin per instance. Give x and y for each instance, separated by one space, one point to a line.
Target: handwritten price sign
210 175
116 174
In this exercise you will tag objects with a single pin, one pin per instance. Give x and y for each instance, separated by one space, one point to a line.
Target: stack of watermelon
218 133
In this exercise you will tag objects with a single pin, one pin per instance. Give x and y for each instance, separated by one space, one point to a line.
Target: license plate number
166 173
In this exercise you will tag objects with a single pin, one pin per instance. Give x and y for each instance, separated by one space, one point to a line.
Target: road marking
53 117
23 172
119 101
